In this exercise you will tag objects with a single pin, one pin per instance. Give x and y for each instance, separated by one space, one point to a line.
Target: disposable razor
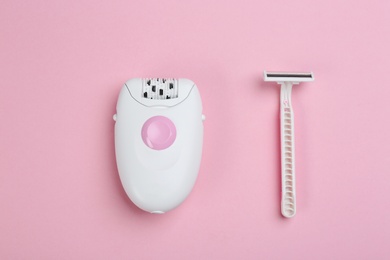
286 81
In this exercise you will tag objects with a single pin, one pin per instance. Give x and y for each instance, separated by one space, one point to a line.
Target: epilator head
158 141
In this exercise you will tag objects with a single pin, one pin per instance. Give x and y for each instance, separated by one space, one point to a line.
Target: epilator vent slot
159 88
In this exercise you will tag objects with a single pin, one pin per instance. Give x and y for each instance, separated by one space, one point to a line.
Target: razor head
295 77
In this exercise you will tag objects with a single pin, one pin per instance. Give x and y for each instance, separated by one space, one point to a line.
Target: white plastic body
288 203
158 180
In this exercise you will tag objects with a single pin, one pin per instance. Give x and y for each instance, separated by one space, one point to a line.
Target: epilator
158 141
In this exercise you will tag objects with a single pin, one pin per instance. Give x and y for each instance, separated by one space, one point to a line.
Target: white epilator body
158 141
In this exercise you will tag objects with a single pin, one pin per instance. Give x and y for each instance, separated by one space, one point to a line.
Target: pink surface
63 63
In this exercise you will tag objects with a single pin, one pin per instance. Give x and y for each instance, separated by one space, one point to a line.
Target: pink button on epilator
158 132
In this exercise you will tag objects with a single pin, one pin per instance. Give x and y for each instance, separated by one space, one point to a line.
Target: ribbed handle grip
288 202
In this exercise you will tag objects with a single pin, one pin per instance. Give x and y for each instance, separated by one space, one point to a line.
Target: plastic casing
158 180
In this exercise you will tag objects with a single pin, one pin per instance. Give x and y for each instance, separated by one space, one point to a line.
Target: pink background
63 63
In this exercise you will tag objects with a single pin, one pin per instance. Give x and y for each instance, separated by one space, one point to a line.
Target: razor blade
288 76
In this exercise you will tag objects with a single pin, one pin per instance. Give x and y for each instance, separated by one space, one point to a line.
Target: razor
286 81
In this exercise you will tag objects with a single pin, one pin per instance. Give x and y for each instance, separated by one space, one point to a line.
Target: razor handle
288 203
